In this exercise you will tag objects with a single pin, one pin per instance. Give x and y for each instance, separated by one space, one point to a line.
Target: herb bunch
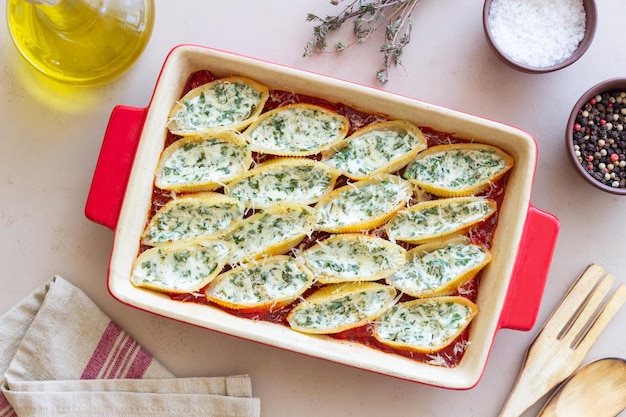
367 16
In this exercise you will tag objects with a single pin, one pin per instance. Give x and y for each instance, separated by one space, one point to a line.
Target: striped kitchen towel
58 360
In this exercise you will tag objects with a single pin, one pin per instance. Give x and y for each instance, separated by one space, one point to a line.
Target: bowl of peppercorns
596 136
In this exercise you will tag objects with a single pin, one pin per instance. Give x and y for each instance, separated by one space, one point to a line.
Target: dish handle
530 271
115 161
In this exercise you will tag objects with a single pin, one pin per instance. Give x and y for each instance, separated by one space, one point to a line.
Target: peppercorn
600 139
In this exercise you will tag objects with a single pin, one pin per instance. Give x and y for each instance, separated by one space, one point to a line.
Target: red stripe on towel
112 366
5 408
140 363
117 356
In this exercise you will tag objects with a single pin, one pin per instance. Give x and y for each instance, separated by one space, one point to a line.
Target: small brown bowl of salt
539 36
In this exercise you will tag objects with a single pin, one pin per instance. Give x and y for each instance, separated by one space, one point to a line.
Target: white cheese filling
285 183
373 150
438 219
457 169
226 103
296 130
353 258
254 284
258 233
190 218
426 325
204 161
361 203
341 311
433 270
181 267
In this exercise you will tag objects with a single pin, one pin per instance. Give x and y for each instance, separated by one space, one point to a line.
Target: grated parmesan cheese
538 33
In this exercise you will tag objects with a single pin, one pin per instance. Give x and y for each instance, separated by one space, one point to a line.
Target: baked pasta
273 231
296 130
425 325
339 307
296 180
383 147
434 219
353 257
208 215
362 205
283 207
440 268
180 267
268 284
459 169
203 163
226 103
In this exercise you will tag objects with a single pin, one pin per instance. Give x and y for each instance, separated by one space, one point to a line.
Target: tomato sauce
481 233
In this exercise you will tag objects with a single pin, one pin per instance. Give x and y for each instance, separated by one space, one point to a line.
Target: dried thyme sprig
367 16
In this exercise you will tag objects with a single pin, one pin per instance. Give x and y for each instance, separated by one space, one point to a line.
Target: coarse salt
537 33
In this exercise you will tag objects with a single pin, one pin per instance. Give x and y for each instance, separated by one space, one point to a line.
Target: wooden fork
565 339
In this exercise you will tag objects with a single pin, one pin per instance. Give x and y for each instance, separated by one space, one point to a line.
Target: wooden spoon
597 389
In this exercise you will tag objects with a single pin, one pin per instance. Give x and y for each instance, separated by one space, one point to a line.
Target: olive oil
80 41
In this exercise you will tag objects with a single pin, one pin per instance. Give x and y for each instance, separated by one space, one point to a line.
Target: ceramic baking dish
511 287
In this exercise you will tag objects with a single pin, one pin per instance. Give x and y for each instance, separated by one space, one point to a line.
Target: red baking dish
511 286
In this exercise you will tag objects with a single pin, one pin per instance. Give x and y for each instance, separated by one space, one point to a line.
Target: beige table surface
50 143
